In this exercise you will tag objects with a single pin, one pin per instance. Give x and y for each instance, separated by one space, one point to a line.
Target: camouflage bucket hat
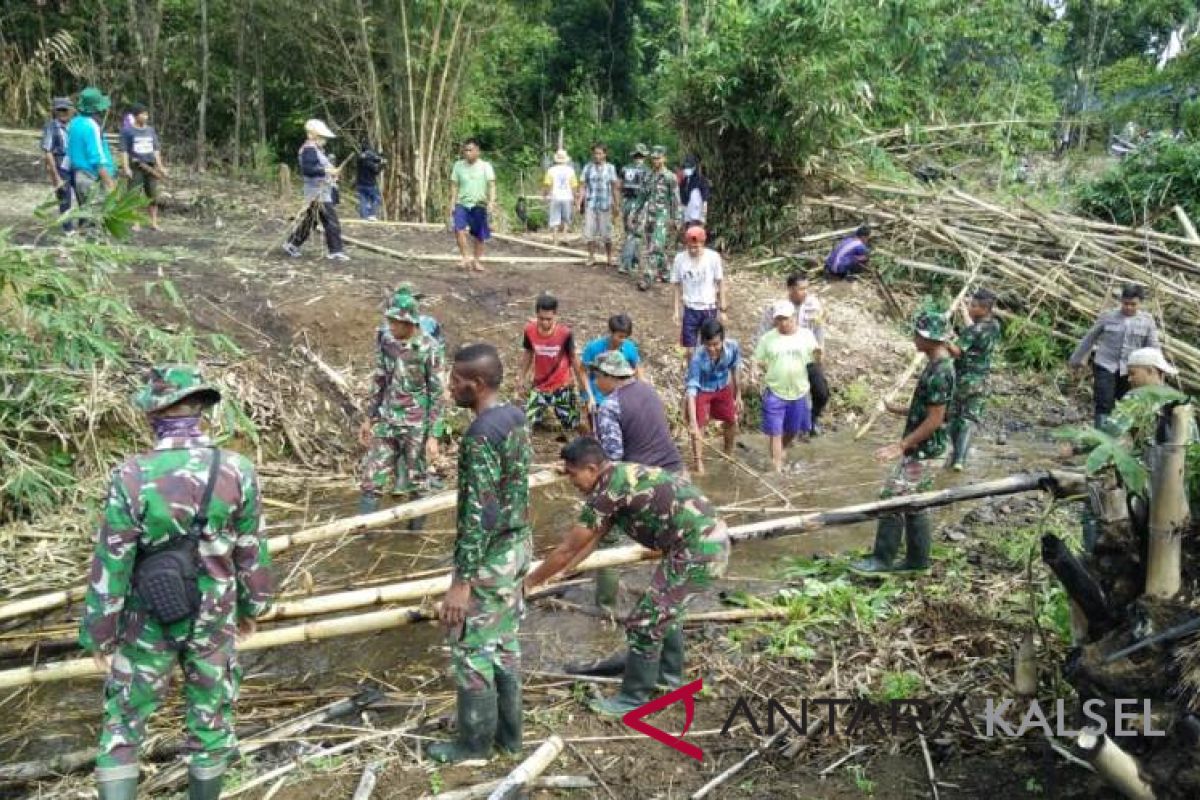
931 325
640 149
168 384
404 312
658 151
615 364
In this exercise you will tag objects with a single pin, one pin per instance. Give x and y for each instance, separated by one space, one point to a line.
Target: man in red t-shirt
550 357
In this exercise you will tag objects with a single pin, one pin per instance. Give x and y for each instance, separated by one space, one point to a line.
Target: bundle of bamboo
1064 266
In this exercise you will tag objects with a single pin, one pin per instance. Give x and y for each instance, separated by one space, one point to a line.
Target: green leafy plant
900 685
1031 344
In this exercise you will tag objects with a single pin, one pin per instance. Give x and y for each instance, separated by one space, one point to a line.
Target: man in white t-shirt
698 275
559 187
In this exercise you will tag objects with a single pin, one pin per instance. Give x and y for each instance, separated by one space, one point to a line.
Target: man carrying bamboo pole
179 572
924 440
659 510
972 365
492 552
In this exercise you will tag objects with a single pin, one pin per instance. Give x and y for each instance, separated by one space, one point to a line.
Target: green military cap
168 384
640 149
615 364
657 151
931 325
404 312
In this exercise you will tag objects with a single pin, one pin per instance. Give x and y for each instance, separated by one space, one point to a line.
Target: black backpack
165 576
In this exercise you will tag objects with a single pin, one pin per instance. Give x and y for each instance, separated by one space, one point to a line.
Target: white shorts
560 212
597 226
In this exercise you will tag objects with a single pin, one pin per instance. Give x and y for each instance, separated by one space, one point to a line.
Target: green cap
658 150
404 312
931 325
615 364
168 384
640 149
92 101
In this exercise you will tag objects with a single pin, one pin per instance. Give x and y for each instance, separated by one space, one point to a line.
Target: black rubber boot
508 706
204 787
641 673
477 719
962 445
918 541
120 789
368 503
670 665
608 583
887 542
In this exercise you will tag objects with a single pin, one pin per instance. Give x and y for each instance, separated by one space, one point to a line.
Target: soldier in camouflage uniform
972 364
404 409
924 439
633 178
153 498
664 512
492 551
656 214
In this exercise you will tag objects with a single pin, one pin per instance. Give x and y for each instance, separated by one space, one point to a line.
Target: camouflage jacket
493 490
935 387
658 509
408 382
152 498
977 343
659 196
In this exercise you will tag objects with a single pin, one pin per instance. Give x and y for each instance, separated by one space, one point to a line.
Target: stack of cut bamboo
1066 267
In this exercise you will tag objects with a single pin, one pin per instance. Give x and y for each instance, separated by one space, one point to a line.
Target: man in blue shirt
850 256
90 159
620 329
712 388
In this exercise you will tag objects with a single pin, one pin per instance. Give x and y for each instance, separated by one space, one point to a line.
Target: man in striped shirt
810 314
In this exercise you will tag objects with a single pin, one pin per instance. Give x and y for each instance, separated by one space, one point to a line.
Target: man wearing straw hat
181 569
492 552
924 439
559 187
320 189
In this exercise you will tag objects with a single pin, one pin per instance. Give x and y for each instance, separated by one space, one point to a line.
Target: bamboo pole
1113 764
482 790
277 544
528 769
1061 483
332 375
1169 512
440 258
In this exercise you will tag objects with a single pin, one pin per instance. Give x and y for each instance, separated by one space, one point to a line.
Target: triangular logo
686 693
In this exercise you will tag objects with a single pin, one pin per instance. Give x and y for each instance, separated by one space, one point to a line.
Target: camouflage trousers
395 458
968 405
679 576
631 250
910 476
488 638
563 403
656 238
137 686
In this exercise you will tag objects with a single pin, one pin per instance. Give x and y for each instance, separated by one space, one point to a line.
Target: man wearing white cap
559 188
784 355
1148 367
320 191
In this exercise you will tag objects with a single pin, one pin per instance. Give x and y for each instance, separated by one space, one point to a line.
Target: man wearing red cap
698 275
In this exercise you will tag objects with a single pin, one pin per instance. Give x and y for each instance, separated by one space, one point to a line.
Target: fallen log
520 778
332 375
1079 584
443 257
277 544
1059 482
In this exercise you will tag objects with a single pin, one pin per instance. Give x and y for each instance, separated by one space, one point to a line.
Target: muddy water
830 471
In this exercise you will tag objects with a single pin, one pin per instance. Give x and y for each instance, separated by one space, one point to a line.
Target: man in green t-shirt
472 197
924 440
784 354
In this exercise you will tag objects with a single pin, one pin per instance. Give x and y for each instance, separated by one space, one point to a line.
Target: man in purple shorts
698 275
784 354
472 196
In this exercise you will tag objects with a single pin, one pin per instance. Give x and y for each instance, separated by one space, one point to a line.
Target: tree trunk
239 86
202 125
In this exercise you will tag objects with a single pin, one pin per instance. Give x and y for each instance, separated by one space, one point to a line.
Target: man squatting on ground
404 410
662 511
631 426
1116 334
713 390
809 315
849 257
549 357
203 503
972 365
924 440
492 552
320 185
472 198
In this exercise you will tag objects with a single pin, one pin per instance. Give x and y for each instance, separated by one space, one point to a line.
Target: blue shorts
693 318
785 417
473 219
